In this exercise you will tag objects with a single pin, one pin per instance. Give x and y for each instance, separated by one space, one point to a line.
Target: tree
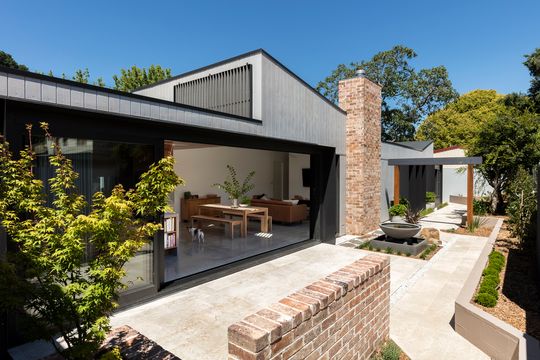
8 61
459 121
135 77
47 278
82 76
532 63
407 95
506 143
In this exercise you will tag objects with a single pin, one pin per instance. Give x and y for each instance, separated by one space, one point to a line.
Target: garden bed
519 296
413 246
426 254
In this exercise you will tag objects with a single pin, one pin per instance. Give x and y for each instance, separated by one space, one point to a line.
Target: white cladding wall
393 151
203 167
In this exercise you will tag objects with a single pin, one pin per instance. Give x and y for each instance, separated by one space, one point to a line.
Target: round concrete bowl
400 230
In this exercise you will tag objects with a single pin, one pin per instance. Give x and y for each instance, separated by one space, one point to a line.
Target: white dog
196 234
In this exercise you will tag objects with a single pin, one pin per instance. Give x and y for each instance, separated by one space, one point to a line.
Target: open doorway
206 231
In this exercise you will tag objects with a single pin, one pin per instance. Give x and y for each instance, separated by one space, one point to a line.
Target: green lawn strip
487 291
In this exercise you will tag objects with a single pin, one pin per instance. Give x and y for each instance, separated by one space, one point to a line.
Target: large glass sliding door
101 165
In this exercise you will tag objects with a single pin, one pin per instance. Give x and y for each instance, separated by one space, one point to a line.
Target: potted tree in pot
430 200
397 212
234 188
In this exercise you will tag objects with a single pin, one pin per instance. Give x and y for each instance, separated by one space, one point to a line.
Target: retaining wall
344 315
493 336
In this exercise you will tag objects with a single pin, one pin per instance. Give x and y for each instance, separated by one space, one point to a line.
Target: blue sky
482 43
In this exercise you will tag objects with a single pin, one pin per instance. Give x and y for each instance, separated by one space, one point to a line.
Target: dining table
242 211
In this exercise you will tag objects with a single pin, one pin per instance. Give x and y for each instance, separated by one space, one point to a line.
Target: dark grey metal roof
476 160
415 145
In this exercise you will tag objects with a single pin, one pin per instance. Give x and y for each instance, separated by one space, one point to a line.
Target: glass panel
281 190
101 165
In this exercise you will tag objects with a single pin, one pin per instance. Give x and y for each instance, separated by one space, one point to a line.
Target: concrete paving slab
421 320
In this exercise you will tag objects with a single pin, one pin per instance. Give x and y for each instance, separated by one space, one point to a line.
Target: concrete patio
192 324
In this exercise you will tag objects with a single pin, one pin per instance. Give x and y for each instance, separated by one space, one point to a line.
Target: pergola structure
469 161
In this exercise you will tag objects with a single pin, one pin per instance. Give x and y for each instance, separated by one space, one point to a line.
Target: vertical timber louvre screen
228 91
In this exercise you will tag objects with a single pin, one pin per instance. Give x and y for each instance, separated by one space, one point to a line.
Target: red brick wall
345 315
361 99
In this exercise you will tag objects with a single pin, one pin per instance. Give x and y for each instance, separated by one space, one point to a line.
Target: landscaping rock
431 235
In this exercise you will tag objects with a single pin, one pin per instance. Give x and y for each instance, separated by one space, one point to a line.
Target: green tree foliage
135 77
47 277
522 205
532 62
82 76
458 122
8 61
407 95
506 143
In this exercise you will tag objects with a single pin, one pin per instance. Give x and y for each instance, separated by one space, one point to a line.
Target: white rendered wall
455 178
200 168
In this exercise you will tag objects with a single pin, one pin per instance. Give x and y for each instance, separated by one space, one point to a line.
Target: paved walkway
421 320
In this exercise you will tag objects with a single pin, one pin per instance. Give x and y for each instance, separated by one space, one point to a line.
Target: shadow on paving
134 346
521 286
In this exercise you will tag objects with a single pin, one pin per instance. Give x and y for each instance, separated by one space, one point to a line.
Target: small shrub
476 223
398 253
407 254
441 205
370 247
377 249
389 250
412 217
390 351
486 300
493 278
430 197
398 210
481 207
114 354
522 206
490 271
484 288
403 200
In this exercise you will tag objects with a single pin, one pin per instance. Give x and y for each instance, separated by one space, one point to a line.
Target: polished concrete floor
191 257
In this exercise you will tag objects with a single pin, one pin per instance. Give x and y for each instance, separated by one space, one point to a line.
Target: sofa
283 211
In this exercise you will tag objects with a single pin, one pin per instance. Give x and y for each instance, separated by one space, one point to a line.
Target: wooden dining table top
239 209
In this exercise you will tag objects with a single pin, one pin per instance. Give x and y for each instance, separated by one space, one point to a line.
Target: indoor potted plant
234 188
397 212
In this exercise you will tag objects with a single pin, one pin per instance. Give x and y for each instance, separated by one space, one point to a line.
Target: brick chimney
361 99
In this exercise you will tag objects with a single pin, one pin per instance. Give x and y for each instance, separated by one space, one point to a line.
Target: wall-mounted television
306 177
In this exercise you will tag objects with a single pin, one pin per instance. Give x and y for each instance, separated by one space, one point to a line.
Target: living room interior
208 228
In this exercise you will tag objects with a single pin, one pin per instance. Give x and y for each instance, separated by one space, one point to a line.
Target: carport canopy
469 161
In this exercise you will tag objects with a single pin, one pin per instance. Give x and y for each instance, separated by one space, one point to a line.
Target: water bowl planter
400 230
400 238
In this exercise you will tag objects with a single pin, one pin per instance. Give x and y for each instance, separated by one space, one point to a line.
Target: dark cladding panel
229 91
